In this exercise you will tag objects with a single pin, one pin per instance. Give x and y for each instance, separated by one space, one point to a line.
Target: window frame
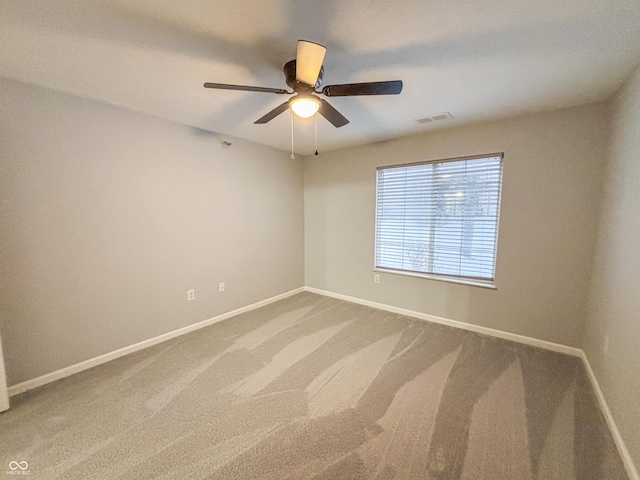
464 280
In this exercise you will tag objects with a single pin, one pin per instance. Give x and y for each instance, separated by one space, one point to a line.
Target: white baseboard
622 448
99 360
556 347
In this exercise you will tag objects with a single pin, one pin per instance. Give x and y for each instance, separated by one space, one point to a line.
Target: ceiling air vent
434 118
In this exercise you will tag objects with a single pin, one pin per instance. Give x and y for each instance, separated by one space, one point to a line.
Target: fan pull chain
316 133
293 155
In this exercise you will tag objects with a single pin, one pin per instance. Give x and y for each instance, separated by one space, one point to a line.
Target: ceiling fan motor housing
290 78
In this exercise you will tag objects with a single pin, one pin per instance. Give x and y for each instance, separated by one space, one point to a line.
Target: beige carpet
316 388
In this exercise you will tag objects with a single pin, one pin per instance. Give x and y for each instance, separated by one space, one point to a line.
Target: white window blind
440 218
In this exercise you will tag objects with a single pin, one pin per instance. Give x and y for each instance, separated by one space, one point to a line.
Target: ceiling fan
304 76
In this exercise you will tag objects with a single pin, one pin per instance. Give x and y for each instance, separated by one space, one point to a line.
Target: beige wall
552 179
614 307
109 216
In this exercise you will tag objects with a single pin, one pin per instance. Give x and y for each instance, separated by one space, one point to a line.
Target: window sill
440 278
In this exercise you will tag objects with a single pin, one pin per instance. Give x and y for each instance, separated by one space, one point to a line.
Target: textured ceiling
477 59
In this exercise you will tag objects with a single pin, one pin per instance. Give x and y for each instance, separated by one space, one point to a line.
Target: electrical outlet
191 295
221 287
605 345
376 278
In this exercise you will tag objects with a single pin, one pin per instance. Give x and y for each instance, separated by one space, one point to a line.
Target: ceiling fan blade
226 86
309 61
334 116
392 87
273 113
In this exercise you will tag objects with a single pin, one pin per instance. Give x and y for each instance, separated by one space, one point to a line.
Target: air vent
434 118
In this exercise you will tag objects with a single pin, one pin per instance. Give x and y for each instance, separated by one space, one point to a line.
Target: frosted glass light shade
304 107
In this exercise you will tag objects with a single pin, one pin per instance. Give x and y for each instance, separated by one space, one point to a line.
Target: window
440 219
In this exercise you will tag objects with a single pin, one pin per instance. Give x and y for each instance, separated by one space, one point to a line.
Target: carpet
311 387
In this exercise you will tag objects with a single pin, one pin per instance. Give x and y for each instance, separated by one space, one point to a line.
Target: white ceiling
477 59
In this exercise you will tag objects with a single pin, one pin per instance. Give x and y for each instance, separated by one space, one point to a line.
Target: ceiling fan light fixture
304 106
304 76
